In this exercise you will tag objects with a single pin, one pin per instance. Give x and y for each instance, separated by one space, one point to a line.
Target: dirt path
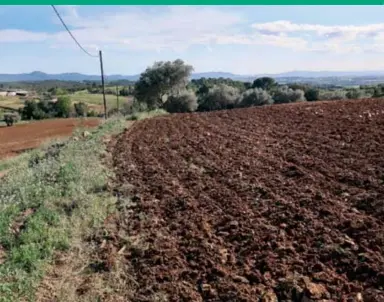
19 138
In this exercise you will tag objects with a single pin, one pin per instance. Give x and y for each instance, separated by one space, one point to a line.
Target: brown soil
22 137
280 203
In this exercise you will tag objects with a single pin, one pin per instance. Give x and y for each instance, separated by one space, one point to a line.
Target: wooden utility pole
102 83
117 96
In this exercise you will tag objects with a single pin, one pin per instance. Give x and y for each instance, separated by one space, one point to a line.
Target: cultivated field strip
275 202
19 138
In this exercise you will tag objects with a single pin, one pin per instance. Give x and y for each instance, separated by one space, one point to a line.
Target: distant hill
78 77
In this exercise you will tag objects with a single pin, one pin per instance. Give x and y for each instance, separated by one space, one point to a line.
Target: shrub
46 108
92 113
186 101
11 118
265 83
333 95
255 97
220 97
284 94
63 106
312 94
358 94
38 110
81 109
30 106
133 107
113 111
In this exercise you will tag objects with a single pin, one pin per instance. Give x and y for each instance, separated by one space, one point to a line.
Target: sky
239 39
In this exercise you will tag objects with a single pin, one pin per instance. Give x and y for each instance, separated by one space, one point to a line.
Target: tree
220 97
161 80
57 91
185 101
124 92
265 83
255 97
47 107
11 118
332 95
358 94
284 94
63 106
29 109
312 94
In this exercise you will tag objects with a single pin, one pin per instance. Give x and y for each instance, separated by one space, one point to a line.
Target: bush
255 97
11 118
265 83
39 110
186 101
220 97
133 107
287 95
30 107
312 95
113 111
332 95
81 109
63 106
92 113
358 94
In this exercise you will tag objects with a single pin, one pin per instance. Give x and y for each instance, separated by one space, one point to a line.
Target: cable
78 44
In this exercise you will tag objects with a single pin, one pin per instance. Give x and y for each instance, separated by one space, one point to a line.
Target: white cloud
331 31
135 29
177 28
16 35
328 38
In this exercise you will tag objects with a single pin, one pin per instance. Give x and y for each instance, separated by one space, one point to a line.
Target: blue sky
238 39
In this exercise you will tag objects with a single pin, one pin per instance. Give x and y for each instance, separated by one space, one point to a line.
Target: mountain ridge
78 77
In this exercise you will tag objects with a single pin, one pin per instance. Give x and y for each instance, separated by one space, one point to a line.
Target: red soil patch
280 203
22 137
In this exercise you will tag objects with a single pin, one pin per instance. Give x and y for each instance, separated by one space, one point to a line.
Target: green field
11 102
96 100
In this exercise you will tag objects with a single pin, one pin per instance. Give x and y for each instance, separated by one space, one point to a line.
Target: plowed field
22 137
280 203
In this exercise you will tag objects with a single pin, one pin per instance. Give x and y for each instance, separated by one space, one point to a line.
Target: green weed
47 199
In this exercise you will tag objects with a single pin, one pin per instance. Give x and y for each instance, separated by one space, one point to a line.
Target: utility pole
102 83
117 96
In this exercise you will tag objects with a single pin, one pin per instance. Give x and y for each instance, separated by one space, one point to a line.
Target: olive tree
11 118
284 94
185 101
265 83
333 95
255 97
220 97
161 80
358 94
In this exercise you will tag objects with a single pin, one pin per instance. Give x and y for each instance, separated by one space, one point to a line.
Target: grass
146 114
11 102
97 99
12 162
49 198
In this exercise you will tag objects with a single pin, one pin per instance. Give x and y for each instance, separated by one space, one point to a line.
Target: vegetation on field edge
48 198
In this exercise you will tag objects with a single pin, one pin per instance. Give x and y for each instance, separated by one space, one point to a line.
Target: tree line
166 85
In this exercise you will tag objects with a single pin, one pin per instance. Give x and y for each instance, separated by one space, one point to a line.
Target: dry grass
11 102
63 190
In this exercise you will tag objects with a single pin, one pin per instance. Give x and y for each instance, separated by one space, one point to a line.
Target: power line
100 56
78 44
